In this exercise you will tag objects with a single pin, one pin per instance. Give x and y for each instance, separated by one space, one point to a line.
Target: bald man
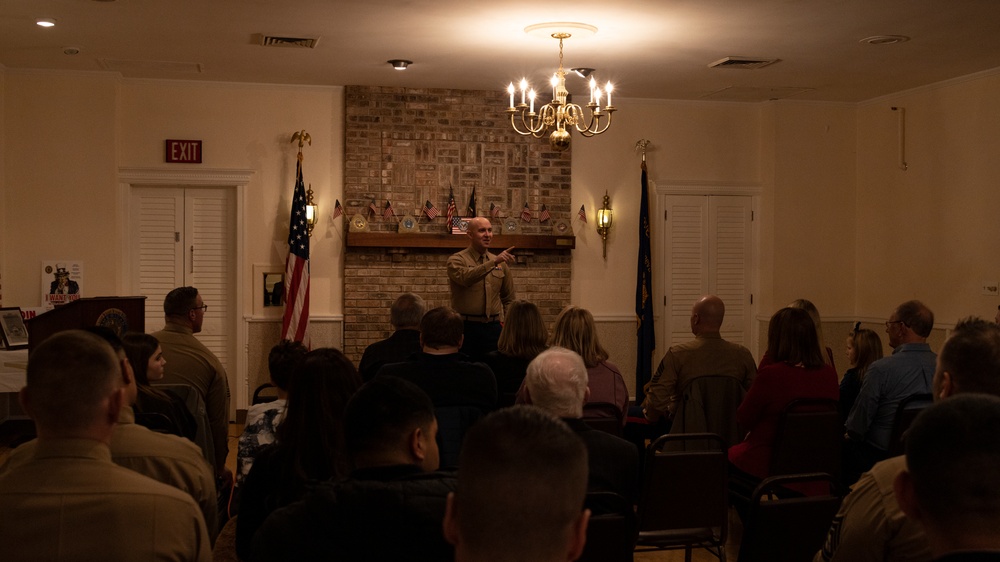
708 354
481 288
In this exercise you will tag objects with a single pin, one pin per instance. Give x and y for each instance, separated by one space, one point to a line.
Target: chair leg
687 554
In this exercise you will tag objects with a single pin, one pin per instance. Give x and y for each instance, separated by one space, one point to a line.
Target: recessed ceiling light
885 39
399 64
45 22
71 50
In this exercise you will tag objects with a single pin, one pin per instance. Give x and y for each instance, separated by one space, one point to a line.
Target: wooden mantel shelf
416 240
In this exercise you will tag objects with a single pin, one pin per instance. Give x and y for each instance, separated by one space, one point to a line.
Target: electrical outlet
991 288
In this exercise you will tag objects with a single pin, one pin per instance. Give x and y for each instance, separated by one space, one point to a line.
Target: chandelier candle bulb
558 117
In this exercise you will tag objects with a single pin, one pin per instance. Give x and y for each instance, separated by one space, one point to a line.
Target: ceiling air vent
280 41
742 62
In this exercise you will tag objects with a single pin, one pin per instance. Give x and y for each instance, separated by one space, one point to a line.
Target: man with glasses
190 362
909 370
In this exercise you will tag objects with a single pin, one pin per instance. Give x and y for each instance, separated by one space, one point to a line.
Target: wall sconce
605 216
312 211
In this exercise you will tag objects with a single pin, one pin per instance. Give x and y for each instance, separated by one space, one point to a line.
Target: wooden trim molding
520 241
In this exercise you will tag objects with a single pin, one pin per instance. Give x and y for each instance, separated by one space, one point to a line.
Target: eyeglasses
891 322
203 307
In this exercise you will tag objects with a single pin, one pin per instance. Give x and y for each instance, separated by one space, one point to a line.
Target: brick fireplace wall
413 145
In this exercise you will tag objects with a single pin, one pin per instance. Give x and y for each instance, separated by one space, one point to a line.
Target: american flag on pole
526 213
494 211
337 210
582 214
372 206
451 206
544 215
388 212
295 322
430 210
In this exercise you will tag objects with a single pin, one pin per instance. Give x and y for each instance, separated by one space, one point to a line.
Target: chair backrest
788 529
708 405
453 422
612 529
266 392
196 405
684 489
808 439
907 411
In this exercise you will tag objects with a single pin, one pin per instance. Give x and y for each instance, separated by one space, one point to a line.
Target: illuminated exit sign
183 151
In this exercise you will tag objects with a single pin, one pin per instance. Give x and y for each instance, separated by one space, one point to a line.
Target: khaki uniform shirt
169 459
69 502
190 362
479 287
706 355
871 527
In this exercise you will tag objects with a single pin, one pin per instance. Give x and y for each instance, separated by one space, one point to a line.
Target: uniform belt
482 319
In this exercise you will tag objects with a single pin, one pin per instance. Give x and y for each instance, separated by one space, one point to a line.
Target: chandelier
559 115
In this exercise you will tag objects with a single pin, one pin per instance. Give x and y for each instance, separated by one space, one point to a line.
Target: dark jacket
397 347
387 513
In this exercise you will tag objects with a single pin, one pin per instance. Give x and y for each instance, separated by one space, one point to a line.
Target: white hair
557 382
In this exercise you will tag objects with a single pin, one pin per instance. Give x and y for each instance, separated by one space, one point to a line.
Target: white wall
930 232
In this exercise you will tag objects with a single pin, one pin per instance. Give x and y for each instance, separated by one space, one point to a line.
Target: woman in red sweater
797 371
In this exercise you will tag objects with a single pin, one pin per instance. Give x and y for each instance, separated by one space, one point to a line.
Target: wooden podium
121 314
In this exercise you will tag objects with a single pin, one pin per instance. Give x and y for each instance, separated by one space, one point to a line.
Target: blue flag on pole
645 336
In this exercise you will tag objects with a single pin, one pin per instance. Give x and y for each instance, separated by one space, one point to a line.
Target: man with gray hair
404 316
556 382
69 501
888 381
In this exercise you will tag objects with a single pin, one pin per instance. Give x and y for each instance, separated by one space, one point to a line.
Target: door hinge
177 237
751 298
664 214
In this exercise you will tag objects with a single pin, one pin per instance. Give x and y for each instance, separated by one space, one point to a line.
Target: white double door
186 236
707 242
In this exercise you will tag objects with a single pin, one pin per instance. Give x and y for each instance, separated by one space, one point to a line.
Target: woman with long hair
309 445
157 409
522 338
797 371
576 330
863 348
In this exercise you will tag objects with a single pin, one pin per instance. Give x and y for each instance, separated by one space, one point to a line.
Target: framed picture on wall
459 225
15 334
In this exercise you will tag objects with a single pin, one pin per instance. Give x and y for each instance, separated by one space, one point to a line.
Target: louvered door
707 246
186 236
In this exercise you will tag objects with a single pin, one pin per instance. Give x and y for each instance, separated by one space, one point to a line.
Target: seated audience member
309 446
575 330
557 383
520 492
462 391
170 459
809 307
146 358
522 338
797 371
870 527
68 500
440 370
706 355
263 419
390 507
951 483
863 348
404 316
887 382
